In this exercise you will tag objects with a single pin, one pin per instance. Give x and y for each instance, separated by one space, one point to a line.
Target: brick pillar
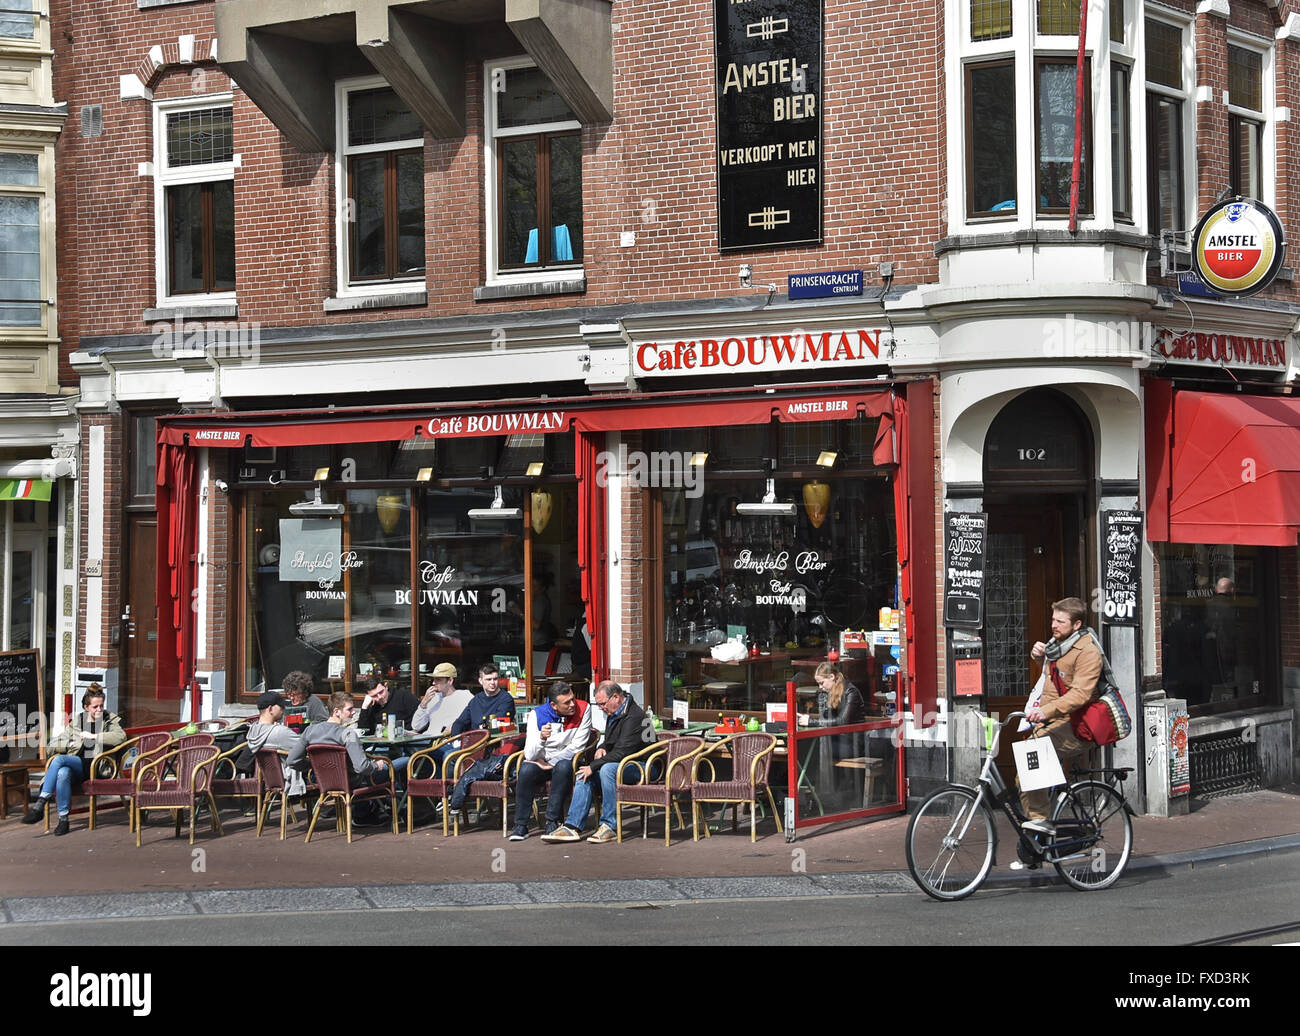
1212 169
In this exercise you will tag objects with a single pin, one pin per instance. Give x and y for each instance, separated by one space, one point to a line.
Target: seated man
557 732
339 729
381 702
270 732
300 689
490 701
626 732
442 704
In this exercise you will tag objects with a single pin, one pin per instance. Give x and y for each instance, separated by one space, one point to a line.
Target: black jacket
401 703
624 734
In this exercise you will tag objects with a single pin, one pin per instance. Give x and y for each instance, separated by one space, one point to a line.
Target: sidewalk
480 866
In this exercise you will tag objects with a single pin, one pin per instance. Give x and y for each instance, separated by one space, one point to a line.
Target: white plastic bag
1034 700
731 651
1037 765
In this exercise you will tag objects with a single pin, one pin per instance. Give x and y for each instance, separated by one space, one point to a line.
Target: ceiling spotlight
498 511
768 505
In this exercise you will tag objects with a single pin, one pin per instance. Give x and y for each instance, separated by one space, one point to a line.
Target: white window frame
40 15
1267 144
1186 95
491 134
40 191
165 177
344 288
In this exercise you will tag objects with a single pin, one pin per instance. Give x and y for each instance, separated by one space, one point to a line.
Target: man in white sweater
557 731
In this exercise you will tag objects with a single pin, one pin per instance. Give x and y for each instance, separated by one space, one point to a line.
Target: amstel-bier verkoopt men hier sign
769 82
1238 247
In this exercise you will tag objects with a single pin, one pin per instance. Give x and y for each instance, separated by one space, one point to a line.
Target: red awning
1233 472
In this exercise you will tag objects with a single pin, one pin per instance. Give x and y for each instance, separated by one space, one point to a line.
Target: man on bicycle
1074 668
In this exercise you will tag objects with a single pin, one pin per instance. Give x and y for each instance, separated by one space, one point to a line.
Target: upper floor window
382 153
1246 121
1121 141
535 173
1116 21
990 19
1058 17
1166 105
991 139
1055 85
17 19
20 240
196 199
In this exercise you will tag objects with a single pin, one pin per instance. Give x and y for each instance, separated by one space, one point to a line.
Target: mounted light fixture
768 505
424 475
699 458
316 507
827 459
539 514
498 511
535 469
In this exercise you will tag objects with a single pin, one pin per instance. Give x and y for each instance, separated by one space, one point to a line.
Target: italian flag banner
25 489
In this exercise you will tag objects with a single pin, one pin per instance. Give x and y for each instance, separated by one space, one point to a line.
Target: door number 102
1032 454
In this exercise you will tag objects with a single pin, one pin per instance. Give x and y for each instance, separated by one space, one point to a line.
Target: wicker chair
109 775
235 786
751 758
270 770
491 789
190 788
473 743
330 762
675 756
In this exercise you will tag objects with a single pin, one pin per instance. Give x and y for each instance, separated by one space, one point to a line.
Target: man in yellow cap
442 703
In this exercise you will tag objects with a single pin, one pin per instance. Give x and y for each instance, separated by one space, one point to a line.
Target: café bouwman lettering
1216 349
757 352
769 81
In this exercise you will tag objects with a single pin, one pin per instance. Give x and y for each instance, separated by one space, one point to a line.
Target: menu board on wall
1121 566
768 56
965 543
22 696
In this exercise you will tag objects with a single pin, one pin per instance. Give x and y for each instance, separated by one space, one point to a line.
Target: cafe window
1219 625
1055 85
991 139
535 173
1245 121
418 581
788 585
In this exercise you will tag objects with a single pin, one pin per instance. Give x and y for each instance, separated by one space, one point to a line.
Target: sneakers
604 833
518 833
551 827
563 833
62 828
1040 825
36 813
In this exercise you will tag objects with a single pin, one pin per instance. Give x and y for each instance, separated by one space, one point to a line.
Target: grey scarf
1054 649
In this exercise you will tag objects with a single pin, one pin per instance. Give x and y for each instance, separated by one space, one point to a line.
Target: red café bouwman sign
796 350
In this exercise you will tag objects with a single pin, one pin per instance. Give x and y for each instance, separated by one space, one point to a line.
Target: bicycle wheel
950 844
1093 812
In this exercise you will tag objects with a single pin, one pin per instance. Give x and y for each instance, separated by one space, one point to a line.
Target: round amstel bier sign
1239 247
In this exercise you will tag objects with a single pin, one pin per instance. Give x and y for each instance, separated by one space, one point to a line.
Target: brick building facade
290 219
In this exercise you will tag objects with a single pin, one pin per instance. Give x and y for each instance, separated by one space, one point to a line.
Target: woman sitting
73 750
839 704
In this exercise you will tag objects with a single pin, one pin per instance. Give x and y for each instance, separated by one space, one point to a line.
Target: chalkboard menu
769 80
1121 561
965 542
22 696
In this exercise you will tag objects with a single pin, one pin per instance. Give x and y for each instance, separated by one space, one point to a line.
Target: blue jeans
62 773
580 805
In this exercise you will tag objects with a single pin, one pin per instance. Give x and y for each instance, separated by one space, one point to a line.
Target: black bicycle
952 839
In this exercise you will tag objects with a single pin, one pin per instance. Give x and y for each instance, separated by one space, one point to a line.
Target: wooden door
138 693
1025 573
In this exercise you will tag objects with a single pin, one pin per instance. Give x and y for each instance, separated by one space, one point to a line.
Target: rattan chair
110 776
674 757
472 746
235 786
186 791
330 763
498 788
751 758
270 771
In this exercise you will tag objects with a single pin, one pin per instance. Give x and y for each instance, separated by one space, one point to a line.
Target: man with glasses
299 687
626 732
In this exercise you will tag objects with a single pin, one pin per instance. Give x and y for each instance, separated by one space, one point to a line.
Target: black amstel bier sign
769 82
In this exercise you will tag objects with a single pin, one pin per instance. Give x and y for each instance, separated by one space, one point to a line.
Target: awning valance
1223 468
